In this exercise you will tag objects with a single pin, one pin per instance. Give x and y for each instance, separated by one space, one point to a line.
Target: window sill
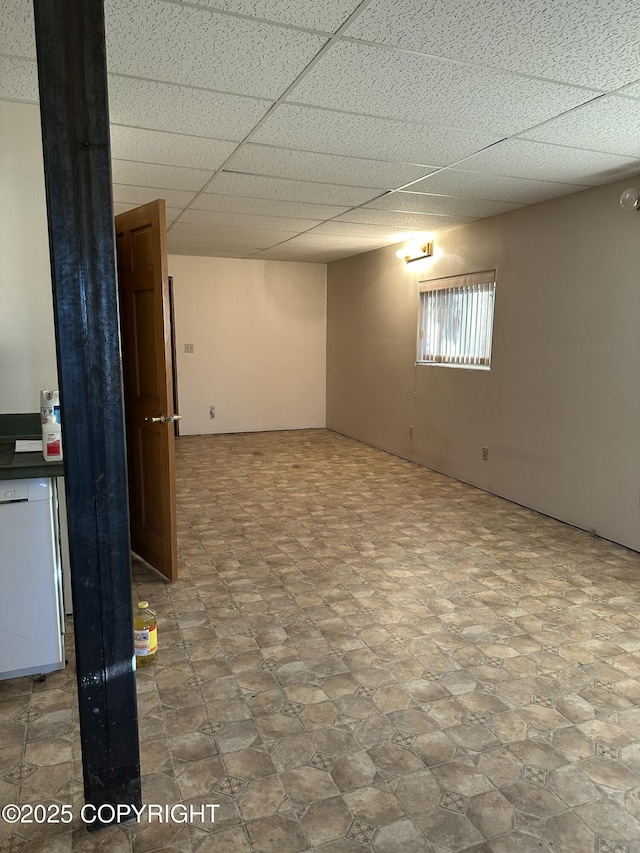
484 367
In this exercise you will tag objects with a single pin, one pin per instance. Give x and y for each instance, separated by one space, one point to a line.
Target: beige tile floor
362 655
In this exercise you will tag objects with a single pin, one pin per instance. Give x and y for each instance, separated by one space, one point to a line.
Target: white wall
27 343
259 335
560 408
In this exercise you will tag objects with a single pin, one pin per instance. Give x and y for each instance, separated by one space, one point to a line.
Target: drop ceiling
312 130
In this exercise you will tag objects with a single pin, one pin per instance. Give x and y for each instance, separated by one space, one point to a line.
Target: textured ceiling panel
305 254
260 239
183 244
324 248
336 241
325 168
416 85
495 187
609 124
585 42
385 233
323 15
169 149
183 247
163 106
16 33
394 218
151 175
182 44
232 183
308 128
132 195
632 91
523 159
444 205
374 80
18 79
246 220
268 206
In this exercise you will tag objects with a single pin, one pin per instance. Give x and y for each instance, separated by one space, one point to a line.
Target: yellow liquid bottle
145 635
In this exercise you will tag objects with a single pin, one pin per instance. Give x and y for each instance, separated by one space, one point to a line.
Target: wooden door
148 383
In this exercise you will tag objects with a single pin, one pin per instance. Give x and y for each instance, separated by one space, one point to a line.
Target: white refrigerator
31 607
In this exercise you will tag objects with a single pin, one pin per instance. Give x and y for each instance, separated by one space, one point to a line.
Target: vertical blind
457 320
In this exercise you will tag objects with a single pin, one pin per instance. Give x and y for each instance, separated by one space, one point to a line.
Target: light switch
189 348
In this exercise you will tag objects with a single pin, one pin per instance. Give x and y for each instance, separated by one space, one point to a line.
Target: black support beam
75 131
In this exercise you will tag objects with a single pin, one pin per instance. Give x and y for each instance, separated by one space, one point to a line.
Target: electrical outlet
410 432
212 412
485 454
189 348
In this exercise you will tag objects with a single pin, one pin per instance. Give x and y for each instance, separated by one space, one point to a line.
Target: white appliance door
31 628
64 546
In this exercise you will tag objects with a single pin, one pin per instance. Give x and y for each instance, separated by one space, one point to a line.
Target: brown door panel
148 383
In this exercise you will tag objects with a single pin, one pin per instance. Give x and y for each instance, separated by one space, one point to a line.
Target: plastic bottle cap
143 605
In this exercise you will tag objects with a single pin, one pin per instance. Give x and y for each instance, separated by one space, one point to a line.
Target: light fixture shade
415 252
630 199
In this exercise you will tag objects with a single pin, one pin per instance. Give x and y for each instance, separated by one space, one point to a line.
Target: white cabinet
31 609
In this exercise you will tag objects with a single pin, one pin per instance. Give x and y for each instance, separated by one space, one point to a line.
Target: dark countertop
21 466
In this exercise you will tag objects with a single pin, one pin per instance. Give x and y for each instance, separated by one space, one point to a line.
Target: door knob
161 419
173 418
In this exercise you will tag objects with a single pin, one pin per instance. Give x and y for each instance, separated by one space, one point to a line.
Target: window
456 320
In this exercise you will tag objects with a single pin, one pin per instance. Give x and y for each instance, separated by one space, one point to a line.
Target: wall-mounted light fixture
415 252
630 199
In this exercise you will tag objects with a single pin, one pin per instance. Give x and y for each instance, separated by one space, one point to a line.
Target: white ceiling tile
632 91
379 81
353 229
125 194
608 124
322 248
297 254
198 47
172 213
268 206
212 242
469 184
325 168
362 117
232 183
215 245
444 205
169 149
18 79
17 34
164 106
523 159
121 207
395 218
336 241
324 15
152 175
196 250
312 129
585 42
246 220
260 239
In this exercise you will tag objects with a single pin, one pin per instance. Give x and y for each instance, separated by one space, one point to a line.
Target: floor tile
361 654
